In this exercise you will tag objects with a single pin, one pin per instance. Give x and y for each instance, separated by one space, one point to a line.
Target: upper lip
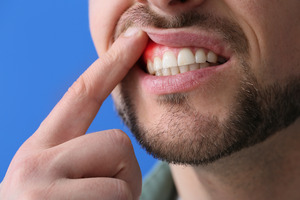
190 38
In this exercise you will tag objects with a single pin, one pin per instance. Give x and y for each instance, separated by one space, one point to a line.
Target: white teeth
169 60
185 57
185 61
166 72
212 57
200 56
203 65
183 69
150 67
175 70
157 64
158 73
194 66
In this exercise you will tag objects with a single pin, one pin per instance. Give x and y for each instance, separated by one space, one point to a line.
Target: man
215 92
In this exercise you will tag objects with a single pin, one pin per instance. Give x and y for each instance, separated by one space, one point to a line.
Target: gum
156 50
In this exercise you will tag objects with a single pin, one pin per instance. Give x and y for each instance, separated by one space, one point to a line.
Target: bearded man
209 86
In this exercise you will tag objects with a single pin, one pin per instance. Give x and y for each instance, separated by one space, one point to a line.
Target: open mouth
176 61
166 61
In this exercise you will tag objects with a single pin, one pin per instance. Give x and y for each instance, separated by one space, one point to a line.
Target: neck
269 170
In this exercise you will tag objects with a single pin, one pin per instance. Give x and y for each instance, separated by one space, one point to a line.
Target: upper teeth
185 61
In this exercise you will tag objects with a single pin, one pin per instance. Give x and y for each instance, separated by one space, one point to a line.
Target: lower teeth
181 69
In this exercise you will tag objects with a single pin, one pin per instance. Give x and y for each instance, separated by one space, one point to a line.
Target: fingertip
132 31
134 39
135 32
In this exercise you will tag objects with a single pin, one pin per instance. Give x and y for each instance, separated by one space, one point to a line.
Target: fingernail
131 31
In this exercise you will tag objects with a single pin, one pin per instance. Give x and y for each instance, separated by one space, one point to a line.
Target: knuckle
26 168
30 195
33 195
110 57
30 177
121 138
115 55
79 87
83 88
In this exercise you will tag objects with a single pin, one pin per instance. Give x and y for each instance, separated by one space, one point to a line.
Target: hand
59 161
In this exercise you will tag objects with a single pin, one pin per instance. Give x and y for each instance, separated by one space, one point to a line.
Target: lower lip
180 83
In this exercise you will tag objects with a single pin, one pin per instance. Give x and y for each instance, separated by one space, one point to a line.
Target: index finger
74 113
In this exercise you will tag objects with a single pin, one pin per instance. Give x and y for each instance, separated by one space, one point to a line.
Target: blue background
44 46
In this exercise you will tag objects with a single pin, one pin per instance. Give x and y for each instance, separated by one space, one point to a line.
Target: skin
264 171
52 163
257 20
60 162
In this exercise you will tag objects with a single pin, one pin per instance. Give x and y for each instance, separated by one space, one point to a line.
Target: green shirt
159 185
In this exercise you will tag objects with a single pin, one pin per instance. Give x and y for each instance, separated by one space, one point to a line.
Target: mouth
177 52
175 62
160 60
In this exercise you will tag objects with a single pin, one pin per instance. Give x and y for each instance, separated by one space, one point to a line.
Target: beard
184 135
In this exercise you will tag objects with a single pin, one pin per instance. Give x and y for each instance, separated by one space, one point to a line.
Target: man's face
226 72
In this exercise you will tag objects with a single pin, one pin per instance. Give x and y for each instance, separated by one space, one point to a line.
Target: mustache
141 15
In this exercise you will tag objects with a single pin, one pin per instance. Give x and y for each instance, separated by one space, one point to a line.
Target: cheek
104 15
272 29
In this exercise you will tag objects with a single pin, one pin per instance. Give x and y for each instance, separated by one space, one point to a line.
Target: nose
174 6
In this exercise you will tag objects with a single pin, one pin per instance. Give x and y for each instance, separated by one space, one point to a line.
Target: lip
191 38
188 81
180 83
